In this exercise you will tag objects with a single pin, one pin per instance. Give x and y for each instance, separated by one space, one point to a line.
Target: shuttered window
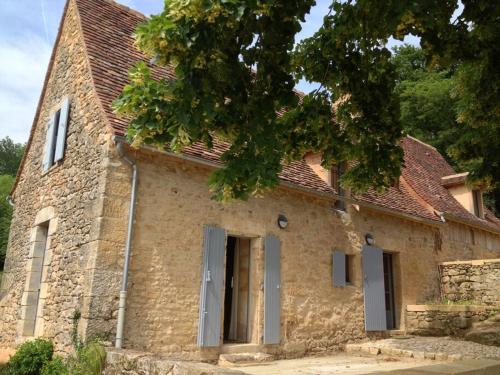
339 268
55 141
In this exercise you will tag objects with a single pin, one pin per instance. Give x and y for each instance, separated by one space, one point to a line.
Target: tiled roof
108 30
297 172
424 168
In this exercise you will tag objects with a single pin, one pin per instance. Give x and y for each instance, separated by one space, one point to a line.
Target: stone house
303 269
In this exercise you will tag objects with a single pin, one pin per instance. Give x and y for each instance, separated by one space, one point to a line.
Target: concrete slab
339 363
465 367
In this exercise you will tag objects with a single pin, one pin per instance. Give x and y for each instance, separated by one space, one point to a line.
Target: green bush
55 367
37 357
30 357
4 370
89 359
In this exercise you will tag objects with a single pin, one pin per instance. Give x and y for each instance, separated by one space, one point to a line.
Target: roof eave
312 192
471 223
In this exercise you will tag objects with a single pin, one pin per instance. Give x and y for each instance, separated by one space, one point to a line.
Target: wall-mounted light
282 221
369 239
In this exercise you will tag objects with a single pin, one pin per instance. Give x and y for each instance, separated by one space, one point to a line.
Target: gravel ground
451 346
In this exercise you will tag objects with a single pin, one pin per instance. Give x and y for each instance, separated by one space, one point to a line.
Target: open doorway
390 310
237 296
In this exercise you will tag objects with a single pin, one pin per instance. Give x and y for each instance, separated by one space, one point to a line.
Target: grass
446 301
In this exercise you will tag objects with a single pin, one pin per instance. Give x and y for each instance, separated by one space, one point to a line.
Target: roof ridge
126 8
421 142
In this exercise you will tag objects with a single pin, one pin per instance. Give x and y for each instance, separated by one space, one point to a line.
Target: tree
236 66
6 182
430 108
10 156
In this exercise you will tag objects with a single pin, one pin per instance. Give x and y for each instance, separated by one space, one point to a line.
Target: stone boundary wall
441 320
476 280
132 362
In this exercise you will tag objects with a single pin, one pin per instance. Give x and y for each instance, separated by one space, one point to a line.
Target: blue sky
28 29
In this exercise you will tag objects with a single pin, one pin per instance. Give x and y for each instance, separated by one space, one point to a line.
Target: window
56 135
348 261
342 268
337 172
477 200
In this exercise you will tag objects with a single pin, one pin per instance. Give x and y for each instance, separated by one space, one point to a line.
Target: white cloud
23 63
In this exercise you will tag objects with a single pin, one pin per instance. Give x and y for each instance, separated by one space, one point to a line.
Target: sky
28 29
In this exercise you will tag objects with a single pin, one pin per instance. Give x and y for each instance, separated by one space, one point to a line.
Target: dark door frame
390 299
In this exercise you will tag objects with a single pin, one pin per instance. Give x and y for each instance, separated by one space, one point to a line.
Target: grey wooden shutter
62 130
272 285
48 155
374 292
338 268
214 246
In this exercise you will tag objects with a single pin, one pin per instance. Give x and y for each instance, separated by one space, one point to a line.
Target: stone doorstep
376 350
242 359
241 348
466 367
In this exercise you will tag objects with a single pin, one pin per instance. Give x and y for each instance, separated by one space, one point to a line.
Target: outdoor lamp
369 239
282 221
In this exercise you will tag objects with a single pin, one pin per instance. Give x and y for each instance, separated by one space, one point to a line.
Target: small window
337 172
348 261
477 199
56 136
342 268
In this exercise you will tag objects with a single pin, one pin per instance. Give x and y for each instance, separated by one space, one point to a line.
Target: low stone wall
440 320
131 362
476 280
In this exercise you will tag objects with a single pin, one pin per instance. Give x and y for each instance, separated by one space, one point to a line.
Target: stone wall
165 271
88 195
459 242
477 281
438 320
69 196
132 362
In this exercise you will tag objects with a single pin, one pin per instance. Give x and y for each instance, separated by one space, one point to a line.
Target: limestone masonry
474 281
204 274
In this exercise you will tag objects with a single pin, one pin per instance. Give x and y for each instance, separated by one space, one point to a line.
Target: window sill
52 168
347 285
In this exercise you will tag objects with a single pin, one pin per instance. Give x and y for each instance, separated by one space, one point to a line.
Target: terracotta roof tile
424 169
108 30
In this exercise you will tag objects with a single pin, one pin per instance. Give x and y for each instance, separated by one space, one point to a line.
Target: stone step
374 349
240 348
240 359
